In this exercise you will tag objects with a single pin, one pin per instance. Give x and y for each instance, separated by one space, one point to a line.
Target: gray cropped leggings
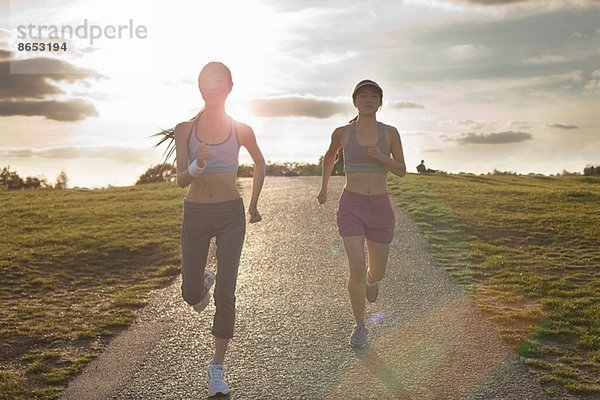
202 221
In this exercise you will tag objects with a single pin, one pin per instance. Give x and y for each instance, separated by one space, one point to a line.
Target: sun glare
182 36
243 35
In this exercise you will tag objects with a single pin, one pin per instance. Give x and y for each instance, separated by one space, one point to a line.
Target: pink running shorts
369 215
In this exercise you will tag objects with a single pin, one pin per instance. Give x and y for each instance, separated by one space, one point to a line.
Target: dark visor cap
365 83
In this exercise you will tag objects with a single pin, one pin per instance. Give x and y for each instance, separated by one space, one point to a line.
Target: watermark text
85 30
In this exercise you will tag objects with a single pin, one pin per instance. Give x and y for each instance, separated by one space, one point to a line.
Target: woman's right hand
322 196
202 154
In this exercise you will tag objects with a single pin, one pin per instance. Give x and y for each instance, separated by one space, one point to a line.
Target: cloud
296 106
405 104
120 154
494 2
69 111
34 77
467 51
25 86
494 138
564 126
545 59
312 107
295 5
4 33
521 124
34 82
481 125
534 45
575 3
592 86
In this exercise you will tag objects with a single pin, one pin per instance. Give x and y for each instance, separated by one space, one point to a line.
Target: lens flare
377 317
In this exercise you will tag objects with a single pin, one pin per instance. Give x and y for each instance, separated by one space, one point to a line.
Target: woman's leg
230 239
195 241
378 258
355 250
220 350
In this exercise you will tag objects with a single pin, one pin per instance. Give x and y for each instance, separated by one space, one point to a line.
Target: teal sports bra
223 156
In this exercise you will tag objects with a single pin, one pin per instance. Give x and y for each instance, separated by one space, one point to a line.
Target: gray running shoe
215 375
372 291
358 338
209 280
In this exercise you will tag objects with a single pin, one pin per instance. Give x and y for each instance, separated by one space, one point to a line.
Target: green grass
527 250
74 266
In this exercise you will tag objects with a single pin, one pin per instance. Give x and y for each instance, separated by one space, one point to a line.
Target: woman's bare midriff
367 182
213 188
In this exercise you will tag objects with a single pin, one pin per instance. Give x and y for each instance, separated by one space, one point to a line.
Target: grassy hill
528 251
75 264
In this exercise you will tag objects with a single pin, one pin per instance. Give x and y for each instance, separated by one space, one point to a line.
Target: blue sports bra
356 158
223 156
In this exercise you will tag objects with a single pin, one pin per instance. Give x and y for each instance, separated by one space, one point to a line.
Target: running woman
365 208
207 150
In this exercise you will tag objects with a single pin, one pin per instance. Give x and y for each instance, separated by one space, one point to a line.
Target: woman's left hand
254 215
375 153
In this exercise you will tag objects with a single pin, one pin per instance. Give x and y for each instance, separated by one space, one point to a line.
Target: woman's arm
328 163
248 140
396 164
181 150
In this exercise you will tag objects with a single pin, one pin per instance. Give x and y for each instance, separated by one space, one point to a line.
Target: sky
471 85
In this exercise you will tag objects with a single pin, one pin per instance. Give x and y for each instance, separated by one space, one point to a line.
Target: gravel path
294 320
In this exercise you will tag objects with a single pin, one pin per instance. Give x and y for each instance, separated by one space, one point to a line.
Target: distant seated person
422 169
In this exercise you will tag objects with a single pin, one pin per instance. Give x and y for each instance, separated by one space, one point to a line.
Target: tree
591 170
10 179
273 169
61 180
158 173
338 167
35 182
245 171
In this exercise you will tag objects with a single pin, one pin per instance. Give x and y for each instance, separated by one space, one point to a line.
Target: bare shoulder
391 131
182 129
244 133
243 129
389 128
343 128
340 132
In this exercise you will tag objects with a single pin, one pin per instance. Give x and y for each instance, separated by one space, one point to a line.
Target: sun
242 34
182 36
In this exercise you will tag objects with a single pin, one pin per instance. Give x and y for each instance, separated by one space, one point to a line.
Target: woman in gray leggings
207 150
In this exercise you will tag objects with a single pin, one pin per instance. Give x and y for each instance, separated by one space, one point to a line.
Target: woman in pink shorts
365 209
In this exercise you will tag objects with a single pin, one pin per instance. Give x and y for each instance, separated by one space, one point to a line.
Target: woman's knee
358 273
192 295
376 274
224 301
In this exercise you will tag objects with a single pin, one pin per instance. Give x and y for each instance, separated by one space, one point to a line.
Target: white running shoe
209 280
216 379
